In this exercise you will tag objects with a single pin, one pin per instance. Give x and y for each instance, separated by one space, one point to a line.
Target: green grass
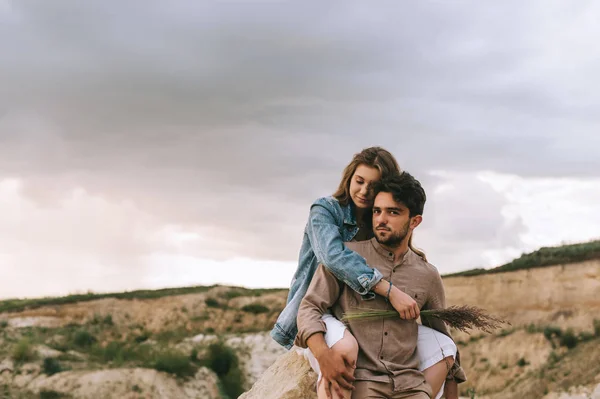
212 303
102 320
255 308
119 353
175 363
545 256
23 351
84 339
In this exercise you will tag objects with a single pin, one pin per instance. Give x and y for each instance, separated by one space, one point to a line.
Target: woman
347 216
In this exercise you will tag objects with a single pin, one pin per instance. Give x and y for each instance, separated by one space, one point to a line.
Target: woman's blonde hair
374 157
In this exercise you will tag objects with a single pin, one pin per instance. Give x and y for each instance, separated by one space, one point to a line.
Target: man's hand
404 304
336 371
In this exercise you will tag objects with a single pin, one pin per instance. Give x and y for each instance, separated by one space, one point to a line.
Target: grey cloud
230 119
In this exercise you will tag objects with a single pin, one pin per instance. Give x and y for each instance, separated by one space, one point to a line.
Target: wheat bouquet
463 318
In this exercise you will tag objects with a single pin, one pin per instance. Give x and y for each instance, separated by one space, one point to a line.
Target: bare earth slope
552 346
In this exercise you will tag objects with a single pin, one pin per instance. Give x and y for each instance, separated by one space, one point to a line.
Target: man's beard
395 239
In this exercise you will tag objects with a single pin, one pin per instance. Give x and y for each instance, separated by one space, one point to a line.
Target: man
387 363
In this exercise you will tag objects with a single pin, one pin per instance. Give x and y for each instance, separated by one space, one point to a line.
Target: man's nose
380 219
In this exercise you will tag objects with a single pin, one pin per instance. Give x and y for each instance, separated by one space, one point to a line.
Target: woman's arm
328 245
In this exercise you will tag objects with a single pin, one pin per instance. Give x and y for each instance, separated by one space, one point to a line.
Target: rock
6 371
203 385
6 365
580 392
290 377
127 383
44 351
39 321
76 355
257 352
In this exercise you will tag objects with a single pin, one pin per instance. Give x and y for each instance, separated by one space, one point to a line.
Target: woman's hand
404 304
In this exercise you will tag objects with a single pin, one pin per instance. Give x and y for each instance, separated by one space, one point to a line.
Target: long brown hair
374 157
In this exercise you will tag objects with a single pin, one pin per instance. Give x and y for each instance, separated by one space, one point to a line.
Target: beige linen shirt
387 345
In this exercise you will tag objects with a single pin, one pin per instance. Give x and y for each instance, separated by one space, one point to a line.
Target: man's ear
415 221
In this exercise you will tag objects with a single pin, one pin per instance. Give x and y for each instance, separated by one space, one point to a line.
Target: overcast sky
166 143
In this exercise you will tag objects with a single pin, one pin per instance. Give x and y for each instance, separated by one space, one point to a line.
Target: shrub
531 329
84 339
233 382
114 351
551 331
255 308
3 323
221 358
98 319
568 339
212 303
194 354
143 337
119 352
174 363
522 362
52 366
597 327
50 395
224 362
233 294
23 351
585 336
553 358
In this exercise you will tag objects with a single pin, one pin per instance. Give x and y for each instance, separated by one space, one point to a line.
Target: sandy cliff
567 295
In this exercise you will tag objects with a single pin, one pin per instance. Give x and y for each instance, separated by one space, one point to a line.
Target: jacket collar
349 214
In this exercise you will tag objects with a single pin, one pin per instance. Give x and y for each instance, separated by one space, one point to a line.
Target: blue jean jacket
330 224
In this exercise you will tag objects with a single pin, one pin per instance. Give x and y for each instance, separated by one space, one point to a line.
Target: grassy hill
18 305
545 256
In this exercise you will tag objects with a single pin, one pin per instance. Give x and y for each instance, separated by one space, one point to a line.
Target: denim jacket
330 224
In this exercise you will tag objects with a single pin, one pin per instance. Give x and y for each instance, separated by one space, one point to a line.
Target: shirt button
391 254
381 357
385 333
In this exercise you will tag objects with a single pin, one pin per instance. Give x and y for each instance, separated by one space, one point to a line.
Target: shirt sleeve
323 292
328 246
437 300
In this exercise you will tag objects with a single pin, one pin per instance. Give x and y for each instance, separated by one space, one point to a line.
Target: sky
159 144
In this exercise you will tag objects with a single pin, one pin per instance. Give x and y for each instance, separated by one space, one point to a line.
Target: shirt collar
387 254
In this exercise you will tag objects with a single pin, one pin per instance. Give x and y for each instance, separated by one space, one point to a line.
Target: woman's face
361 185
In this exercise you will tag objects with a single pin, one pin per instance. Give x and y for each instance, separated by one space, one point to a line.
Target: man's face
391 220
